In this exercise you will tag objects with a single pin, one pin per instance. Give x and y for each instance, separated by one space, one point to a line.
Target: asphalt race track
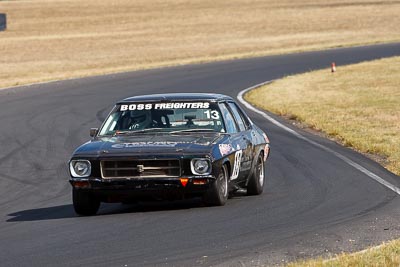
314 203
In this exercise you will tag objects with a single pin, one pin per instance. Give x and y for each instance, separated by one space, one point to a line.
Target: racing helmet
140 119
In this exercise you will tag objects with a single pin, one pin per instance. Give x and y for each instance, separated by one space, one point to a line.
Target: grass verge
359 106
386 255
50 40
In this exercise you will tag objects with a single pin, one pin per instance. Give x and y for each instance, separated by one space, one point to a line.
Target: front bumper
119 190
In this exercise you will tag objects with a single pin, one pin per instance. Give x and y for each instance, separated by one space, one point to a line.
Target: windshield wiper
136 131
192 130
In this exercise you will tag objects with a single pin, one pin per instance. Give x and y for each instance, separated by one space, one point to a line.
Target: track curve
313 204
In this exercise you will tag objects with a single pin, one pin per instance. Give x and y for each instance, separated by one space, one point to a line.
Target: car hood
150 144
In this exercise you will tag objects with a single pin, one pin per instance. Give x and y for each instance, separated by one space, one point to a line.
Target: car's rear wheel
84 202
256 182
217 195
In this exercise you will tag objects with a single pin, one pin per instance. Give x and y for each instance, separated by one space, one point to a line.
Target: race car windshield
170 117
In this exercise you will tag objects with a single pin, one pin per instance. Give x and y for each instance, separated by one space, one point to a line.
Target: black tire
218 193
84 202
255 186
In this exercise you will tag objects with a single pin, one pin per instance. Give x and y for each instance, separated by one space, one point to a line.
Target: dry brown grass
359 105
58 39
387 255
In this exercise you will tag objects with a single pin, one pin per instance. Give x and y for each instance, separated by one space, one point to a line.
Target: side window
238 116
230 124
244 116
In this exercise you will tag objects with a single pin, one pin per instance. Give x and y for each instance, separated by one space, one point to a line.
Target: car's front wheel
256 182
84 202
217 195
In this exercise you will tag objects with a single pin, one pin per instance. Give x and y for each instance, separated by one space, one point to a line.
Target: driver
140 119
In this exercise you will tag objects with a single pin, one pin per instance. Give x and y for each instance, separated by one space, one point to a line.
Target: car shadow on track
162 205
150 206
50 213
67 211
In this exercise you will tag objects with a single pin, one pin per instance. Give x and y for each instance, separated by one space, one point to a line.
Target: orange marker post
333 67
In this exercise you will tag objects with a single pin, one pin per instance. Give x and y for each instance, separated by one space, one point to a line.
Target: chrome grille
140 168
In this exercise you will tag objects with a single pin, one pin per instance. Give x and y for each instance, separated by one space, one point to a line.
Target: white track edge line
357 166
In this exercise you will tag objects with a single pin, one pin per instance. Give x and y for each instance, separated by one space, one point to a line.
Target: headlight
200 166
80 168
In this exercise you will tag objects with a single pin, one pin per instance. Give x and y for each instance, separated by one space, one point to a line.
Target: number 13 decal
236 166
213 114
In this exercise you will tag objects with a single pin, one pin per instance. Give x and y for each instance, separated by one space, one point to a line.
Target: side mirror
93 132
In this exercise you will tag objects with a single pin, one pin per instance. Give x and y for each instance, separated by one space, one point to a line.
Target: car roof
176 97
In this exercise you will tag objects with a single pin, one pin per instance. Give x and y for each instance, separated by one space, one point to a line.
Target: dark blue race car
169 146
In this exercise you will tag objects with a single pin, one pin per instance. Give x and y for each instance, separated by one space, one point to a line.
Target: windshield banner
173 105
